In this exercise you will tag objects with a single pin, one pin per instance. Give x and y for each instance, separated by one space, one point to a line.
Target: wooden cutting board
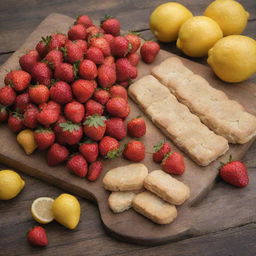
128 226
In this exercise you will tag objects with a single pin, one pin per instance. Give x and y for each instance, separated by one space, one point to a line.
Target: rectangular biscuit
224 116
166 187
154 208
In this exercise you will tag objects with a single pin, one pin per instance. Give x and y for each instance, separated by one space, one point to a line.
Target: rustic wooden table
232 209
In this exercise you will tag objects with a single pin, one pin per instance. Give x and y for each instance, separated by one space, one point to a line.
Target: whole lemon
233 58
10 184
66 210
166 20
27 140
229 14
197 35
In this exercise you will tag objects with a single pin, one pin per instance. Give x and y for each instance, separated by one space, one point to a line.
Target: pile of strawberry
72 92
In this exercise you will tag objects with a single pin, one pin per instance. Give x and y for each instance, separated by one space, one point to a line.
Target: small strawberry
93 31
120 47
110 60
56 41
49 114
115 127
44 138
118 91
39 93
124 70
77 31
160 150
82 44
92 107
77 165
37 236
136 127
109 147
72 52
15 122
94 171
118 107
84 20
65 72
82 90
18 79
28 60
54 58
89 150
3 114
95 127
173 163
56 154
106 76
30 117
87 70
41 73
102 44
74 111
71 133
109 38
41 47
61 92
134 40
134 151
7 95
134 58
57 129
95 55
101 96
21 103
111 25
149 51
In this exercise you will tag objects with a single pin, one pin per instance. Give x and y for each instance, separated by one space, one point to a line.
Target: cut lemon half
41 210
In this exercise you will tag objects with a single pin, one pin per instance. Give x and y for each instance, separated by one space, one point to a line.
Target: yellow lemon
229 14
10 184
233 58
197 35
41 210
27 140
66 210
166 20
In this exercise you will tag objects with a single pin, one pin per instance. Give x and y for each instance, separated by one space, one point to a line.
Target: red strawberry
15 122
87 70
28 60
109 147
134 58
124 84
41 47
89 150
235 173
120 46
115 127
82 90
92 107
74 111
95 55
102 44
118 107
57 129
37 236
3 114
124 70
109 38
160 150
41 73
134 40
95 127
56 154
22 101
72 52
84 20
77 31
136 127
7 95
101 96
30 117
106 76
71 133
61 92
77 165
94 171
39 93
173 163
65 72
18 79
118 91
56 41
134 151
82 44
93 31
111 25
49 114
149 51
54 58
110 60
44 138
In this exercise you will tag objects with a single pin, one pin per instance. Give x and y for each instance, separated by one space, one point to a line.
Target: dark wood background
18 18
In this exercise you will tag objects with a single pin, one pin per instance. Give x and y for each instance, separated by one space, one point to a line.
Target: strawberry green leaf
95 121
69 126
158 146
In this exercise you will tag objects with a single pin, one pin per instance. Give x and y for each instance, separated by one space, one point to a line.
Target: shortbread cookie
154 208
224 116
166 187
125 178
120 201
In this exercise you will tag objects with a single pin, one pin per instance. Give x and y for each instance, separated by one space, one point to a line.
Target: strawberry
94 171
124 70
72 52
82 90
124 84
134 58
61 92
77 31
149 51
44 138
56 41
77 165
28 60
95 55
37 236
41 73
18 79
49 114
109 38
54 58
118 107
120 47
92 107
87 70
7 95
30 117
15 122
160 150
41 47
95 127
82 44
111 25
173 163
110 60
109 147
57 129
94 84
134 40
234 173
115 127
134 151
84 20
70 133
106 76
102 44
22 101
136 127
3 114
102 96
74 111
39 93
89 150
65 72
118 91
56 154
93 31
